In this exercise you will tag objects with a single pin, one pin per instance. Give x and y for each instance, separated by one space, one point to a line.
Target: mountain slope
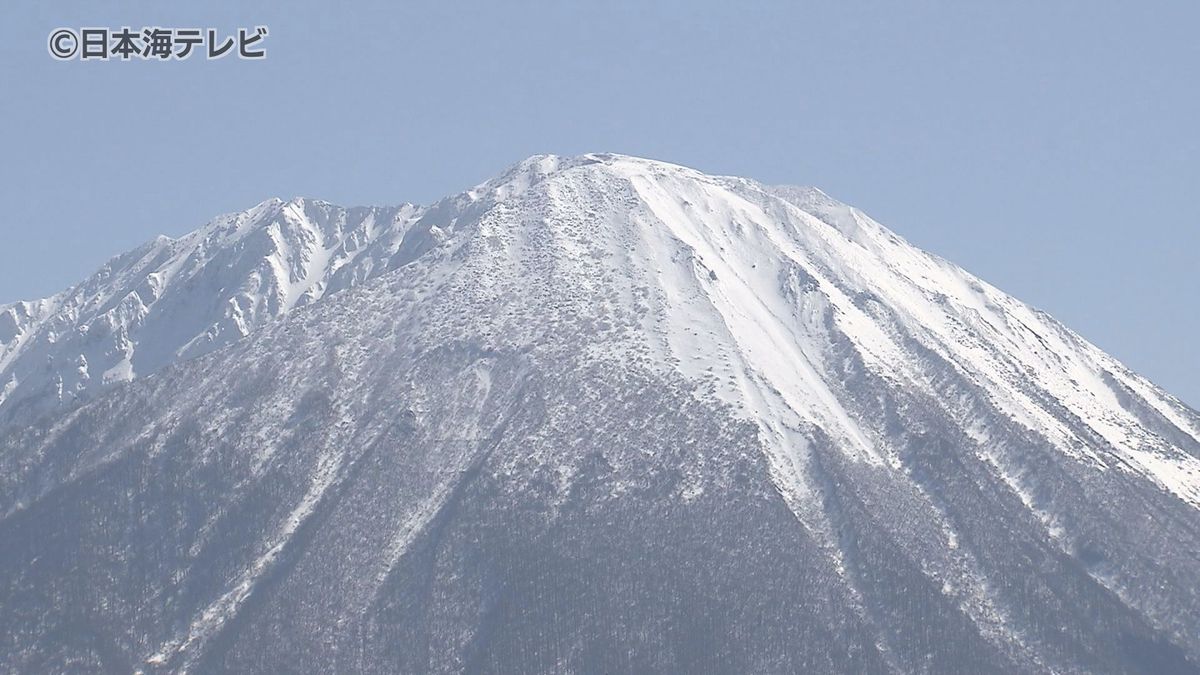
600 414
177 299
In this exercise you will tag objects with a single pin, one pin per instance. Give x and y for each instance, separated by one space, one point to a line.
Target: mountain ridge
279 255
630 382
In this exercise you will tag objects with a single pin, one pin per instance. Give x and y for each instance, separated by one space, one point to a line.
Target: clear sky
1050 147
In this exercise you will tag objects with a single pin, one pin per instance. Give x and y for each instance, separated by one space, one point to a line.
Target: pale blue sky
1051 148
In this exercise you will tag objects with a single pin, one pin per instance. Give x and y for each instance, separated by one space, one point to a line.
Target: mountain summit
599 414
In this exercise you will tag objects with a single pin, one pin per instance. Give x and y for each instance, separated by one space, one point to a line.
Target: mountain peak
594 391
746 251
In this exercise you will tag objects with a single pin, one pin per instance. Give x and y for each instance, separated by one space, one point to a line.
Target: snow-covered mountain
173 299
599 414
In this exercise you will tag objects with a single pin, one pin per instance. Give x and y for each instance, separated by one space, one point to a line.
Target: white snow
743 286
764 296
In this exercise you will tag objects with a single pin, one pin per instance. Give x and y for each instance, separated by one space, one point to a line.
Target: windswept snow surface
418 416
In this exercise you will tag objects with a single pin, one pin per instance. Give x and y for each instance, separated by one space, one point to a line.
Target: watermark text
155 44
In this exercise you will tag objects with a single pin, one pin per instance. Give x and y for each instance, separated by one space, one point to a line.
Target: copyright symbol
63 44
